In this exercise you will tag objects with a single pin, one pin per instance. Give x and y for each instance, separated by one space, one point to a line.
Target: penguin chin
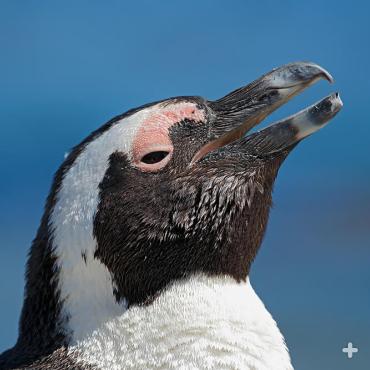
209 220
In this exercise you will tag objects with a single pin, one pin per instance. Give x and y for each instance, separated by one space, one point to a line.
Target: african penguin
142 257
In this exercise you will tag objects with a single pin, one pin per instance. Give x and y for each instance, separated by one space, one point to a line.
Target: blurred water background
67 67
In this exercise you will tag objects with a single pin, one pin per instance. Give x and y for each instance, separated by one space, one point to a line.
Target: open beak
238 112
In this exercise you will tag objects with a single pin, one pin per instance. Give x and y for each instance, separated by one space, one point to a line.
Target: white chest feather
200 323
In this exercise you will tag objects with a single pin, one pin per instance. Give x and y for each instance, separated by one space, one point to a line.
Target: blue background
67 67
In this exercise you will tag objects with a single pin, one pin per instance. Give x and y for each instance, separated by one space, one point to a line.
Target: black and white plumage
142 257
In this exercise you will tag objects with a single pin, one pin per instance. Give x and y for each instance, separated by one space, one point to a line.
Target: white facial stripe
87 288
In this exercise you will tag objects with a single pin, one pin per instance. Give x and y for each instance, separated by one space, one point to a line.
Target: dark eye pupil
154 157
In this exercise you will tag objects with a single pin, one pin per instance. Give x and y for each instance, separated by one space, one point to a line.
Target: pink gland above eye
152 147
152 150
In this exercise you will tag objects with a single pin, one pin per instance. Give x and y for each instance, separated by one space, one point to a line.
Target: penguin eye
154 157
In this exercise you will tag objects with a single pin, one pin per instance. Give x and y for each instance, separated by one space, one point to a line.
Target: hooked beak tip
296 74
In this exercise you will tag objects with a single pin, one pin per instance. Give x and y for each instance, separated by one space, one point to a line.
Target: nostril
268 95
262 97
154 157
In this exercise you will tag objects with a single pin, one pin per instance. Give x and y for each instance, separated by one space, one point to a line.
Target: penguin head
175 188
185 190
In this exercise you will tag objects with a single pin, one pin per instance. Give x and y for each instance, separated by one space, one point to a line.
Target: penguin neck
198 322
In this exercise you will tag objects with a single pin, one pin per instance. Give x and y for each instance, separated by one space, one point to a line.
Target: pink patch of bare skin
152 136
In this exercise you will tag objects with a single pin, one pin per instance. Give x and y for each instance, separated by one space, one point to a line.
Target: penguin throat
198 322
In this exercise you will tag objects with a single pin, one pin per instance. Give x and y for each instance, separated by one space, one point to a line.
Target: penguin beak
241 110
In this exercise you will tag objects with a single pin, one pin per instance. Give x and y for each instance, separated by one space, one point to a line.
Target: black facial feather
153 228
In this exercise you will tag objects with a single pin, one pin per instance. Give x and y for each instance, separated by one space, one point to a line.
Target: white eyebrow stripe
86 288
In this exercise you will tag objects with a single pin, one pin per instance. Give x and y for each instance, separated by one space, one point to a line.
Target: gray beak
285 133
236 113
